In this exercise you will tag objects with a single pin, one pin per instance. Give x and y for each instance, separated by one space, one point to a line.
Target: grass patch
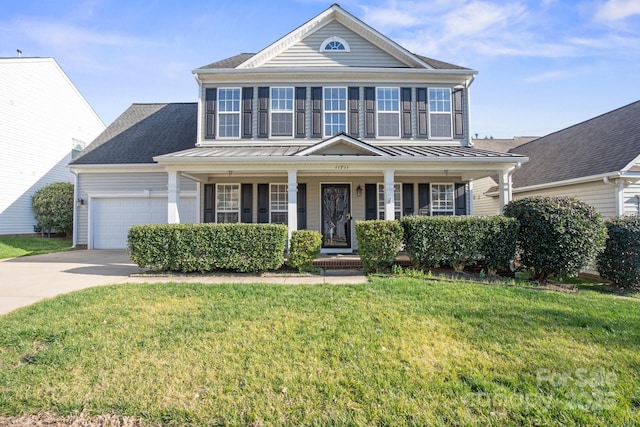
11 247
391 352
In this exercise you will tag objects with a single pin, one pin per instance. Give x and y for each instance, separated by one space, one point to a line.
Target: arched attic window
335 44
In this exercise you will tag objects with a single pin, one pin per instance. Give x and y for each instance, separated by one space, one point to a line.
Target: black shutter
246 196
263 203
302 206
421 107
405 117
424 199
263 112
369 112
458 113
209 203
301 112
371 201
210 113
316 112
407 199
461 199
247 112
354 112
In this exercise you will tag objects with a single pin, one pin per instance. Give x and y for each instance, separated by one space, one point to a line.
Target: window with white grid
229 112
388 102
279 203
442 199
282 111
440 112
227 203
335 110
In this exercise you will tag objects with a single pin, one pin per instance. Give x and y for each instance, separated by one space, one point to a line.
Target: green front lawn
391 352
11 247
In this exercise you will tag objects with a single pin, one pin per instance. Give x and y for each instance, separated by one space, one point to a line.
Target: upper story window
397 200
229 112
335 44
440 112
335 110
388 102
282 111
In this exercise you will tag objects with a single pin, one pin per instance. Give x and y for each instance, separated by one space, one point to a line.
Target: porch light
359 191
80 202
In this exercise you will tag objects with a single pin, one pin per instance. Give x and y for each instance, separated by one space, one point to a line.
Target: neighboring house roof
604 144
502 145
142 132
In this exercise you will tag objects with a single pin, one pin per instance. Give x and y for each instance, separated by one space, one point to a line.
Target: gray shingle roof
142 132
502 145
440 65
603 144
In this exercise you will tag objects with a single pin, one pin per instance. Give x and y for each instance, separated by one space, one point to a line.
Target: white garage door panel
112 218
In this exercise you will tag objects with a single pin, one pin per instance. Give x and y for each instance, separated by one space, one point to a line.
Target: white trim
631 164
572 181
117 168
348 140
323 45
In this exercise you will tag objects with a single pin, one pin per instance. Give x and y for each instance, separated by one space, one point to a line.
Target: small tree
620 260
53 207
557 236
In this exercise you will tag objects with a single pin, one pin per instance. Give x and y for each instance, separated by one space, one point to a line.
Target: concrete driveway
26 280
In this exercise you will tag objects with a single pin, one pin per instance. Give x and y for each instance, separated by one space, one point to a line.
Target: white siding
307 52
41 114
484 205
597 194
92 184
632 200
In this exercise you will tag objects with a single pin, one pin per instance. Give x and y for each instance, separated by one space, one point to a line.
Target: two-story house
330 124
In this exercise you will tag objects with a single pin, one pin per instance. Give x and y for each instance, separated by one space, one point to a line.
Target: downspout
75 209
467 85
619 195
509 184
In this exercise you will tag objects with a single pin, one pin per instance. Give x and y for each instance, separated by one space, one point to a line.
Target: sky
542 65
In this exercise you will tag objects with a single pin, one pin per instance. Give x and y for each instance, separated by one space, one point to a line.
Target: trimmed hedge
558 235
378 244
208 247
620 260
460 241
305 247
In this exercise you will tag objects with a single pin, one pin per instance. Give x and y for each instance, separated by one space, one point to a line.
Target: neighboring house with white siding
330 124
43 120
597 161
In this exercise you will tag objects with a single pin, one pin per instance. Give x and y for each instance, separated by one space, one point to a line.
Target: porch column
173 196
505 188
389 195
292 207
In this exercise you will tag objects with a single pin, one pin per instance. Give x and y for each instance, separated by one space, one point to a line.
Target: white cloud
549 75
477 18
616 10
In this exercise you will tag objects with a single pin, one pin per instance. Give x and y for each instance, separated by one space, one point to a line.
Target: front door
336 216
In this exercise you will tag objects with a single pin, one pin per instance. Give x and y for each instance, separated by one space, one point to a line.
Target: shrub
378 244
460 241
499 242
53 207
305 247
557 236
620 260
208 247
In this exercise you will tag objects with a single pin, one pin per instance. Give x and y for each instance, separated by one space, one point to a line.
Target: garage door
111 219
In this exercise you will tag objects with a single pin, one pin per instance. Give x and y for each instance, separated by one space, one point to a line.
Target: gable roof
341 143
142 132
604 144
337 14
